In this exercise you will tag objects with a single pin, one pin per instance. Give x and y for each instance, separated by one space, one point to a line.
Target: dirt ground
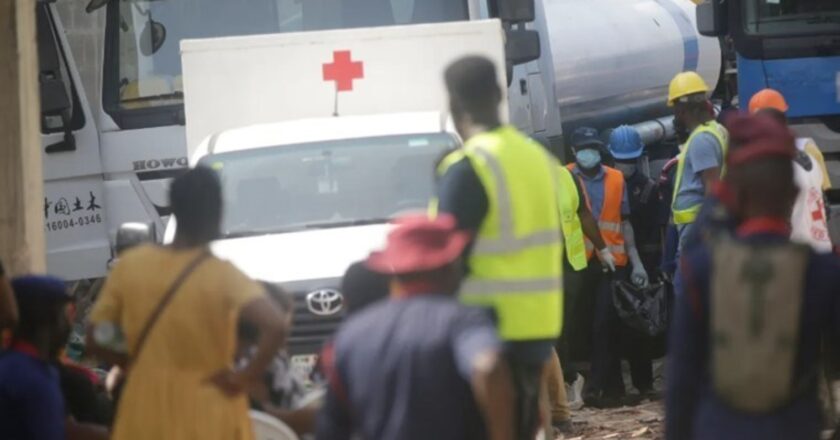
644 421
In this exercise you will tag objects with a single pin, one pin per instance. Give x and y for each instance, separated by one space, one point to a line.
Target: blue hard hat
625 143
586 136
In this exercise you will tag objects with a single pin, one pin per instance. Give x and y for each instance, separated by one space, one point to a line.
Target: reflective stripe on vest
569 220
689 214
507 241
515 265
609 221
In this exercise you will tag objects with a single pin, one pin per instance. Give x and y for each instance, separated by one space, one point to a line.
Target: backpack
756 295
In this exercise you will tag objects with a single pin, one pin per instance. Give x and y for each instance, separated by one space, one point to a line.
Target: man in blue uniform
646 217
750 321
419 365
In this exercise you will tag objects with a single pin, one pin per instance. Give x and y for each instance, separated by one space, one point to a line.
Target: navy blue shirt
461 193
31 404
693 410
645 210
401 370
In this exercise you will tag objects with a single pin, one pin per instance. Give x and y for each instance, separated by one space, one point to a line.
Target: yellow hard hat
684 84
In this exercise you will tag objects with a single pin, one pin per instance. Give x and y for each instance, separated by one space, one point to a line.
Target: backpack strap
165 300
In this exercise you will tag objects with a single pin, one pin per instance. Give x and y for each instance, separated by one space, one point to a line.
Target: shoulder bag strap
165 300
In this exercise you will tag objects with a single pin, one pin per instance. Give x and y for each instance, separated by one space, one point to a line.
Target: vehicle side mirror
516 11
521 46
56 106
54 99
132 234
712 18
152 37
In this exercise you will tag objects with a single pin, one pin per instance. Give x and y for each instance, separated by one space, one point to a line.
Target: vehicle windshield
145 35
791 17
327 184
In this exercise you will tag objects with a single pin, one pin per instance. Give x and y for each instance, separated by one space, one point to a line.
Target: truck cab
75 209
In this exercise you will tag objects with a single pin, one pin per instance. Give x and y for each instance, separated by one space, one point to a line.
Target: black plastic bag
644 309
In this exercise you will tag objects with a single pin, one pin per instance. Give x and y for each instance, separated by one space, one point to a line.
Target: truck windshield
327 184
791 17
144 36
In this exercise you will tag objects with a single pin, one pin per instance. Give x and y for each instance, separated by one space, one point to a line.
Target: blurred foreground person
281 393
362 287
501 187
748 328
419 365
31 405
177 307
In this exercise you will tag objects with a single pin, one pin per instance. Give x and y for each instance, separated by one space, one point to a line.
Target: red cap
758 136
419 244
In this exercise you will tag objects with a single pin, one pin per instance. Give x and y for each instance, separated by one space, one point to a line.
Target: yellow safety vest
515 264
689 214
569 220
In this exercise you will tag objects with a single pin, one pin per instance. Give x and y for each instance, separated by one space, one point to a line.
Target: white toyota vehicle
305 199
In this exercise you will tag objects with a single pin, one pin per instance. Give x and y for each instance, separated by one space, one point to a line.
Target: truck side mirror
516 11
132 234
712 18
521 46
152 37
54 99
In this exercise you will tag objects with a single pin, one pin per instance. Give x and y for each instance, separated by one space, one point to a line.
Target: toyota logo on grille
325 302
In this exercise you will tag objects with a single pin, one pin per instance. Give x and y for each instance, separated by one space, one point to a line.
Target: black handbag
644 309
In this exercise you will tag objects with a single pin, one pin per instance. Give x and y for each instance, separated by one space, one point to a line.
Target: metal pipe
656 130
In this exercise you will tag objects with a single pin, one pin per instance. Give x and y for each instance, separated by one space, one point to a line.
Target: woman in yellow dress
181 384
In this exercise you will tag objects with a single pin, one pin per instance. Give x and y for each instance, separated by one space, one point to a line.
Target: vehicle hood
299 256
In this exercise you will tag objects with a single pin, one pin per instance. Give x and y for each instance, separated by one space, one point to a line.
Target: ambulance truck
317 159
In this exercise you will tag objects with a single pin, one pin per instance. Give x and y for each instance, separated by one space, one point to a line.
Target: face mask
588 158
628 169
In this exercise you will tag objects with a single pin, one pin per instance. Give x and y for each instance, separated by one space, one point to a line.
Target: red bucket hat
419 244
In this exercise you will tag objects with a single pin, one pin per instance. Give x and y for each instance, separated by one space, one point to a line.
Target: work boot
650 394
563 429
600 400
574 393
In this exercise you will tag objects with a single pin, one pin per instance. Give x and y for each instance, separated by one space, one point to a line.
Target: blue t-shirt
594 188
704 152
31 404
402 370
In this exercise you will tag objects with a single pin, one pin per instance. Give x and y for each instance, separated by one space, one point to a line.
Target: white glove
639 277
607 259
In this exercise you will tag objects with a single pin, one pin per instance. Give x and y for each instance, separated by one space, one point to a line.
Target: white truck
571 62
317 157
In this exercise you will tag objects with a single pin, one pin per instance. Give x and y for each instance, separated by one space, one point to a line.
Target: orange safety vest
610 220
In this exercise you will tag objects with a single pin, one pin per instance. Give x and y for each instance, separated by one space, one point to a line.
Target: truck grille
310 331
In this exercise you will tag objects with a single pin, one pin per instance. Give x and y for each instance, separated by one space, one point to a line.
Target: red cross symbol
343 71
818 214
